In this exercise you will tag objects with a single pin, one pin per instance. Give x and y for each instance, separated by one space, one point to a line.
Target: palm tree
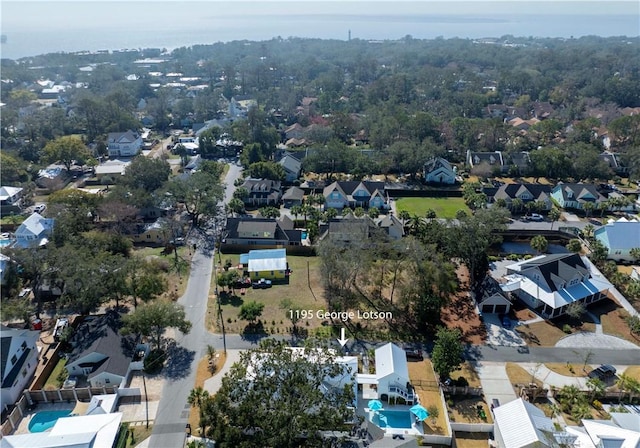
602 207
539 243
358 212
554 215
588 231
197 397
588 207
295 211
628 384
635 254
596 386
568 396
516 205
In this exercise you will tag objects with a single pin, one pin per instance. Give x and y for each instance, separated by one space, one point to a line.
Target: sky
36 26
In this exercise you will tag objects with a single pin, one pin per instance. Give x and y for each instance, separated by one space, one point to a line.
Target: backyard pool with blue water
45 420
392 419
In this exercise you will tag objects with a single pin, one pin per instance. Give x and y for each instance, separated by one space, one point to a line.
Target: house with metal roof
10 198
84 431
18 361
34 231
270 264
391 378
100 354
519 424
550 283
620 237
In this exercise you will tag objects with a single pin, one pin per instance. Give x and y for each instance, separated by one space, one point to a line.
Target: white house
519 424
84 431
619 237
439 171
34 231
10 195
391 379
124 144
550 283
19 356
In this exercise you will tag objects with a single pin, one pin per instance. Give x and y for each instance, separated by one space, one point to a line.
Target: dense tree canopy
276 396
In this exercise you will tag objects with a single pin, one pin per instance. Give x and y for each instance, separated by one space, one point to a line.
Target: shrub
154 362
597 405
462 382
566 328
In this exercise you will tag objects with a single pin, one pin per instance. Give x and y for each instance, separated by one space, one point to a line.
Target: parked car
261 284
39 208
603 372
506 322
536 217
413 354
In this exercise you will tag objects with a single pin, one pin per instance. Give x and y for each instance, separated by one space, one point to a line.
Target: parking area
497 334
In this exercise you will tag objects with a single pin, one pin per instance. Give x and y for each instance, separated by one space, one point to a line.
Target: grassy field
304 291
177 276
444 207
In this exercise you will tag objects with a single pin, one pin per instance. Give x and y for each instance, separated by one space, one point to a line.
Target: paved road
173 410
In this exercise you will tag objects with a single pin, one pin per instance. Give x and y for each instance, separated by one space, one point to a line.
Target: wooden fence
31 398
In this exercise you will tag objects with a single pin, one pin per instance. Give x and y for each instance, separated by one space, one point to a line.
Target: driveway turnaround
594 340
495 382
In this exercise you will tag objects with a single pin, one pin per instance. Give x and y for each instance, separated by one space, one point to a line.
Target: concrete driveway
498 335
495 382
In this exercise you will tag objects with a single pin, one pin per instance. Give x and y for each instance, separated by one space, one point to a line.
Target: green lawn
304 291
52 381
444 207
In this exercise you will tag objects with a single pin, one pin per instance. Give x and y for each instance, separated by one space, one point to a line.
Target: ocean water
34 27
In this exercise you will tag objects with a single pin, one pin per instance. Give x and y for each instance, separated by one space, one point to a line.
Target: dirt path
461 313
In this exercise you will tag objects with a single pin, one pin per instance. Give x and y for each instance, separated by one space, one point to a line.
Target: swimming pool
45 420
5 242
392 419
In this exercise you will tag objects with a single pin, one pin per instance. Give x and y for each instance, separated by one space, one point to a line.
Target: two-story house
439 171
292 167
366 194
19 358
262 192
526 193
100 354
548 284
493 160
620 237
34 231
124 144
10 198
576 195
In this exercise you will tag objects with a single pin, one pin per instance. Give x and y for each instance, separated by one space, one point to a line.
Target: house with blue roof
549 284
620 237
270 264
